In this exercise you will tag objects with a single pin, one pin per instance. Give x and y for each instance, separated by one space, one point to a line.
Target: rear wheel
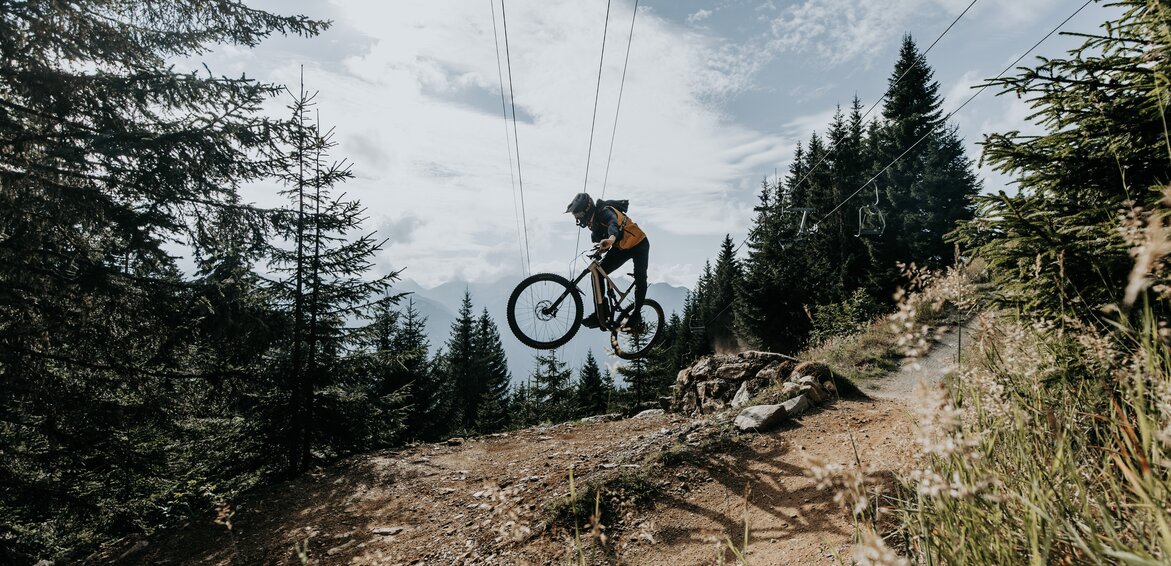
634 342
544 311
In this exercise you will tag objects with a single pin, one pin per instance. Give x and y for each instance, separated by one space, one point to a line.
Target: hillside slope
686 489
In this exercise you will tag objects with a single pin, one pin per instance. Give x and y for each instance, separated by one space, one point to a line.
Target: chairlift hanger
871 220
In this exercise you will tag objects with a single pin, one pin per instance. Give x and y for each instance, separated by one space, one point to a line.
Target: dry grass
1054 447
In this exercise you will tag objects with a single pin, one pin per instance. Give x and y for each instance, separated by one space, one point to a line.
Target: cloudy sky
717 93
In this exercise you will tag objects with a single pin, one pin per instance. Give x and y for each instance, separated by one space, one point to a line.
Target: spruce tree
524 412
591 393
109 154
722 297
665 360
460 367
493 409
552 388
636 374
929 187
324 285
427 417
765 245
1056 248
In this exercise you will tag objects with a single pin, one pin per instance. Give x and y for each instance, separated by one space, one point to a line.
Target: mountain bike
545 311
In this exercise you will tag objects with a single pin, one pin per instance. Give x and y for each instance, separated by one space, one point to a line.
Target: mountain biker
622 239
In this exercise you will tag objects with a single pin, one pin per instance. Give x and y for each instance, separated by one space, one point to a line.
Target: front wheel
631 343
544 311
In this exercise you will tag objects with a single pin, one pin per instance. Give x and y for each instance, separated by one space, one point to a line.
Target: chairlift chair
871 220
804 227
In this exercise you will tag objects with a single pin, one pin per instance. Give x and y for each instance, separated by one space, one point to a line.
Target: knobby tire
526 321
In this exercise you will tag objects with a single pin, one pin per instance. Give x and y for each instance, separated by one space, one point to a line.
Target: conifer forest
166 345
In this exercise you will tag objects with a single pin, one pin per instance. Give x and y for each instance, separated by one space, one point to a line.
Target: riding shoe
633 323
591 321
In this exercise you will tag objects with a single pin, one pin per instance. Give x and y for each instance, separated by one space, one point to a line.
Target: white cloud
413 90
418 110
699 16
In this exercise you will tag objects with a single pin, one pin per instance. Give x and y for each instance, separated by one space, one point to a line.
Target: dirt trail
467 502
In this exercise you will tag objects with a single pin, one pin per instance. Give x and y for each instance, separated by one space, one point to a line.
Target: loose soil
490 500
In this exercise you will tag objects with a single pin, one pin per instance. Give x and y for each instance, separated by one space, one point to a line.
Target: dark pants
641 255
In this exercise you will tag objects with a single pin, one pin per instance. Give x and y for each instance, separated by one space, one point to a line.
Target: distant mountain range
440 305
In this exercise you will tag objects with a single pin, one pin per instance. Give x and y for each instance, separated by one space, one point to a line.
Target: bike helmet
580 207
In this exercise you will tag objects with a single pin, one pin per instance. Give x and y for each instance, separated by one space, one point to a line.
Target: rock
818 370
813 388
796 406
734 372
386 531
767 356
138 546
704 368
455 441
747 390
665 403
776 372
760 417
602 418
649 413
812 394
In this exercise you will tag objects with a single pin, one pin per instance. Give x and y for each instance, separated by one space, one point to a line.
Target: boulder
817 370
760 417
766 356
796 406
747 390
649 413
714 382
813 388
735 371
776 371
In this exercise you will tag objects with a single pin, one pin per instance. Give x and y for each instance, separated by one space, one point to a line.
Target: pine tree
778 270
439 419
665 360
107 155
591 393
492 413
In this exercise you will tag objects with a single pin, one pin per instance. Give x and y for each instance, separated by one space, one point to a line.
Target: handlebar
594 253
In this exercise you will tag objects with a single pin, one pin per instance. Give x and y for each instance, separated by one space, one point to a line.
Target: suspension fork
552 308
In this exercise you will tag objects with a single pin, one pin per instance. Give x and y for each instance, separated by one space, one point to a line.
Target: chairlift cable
593 122
517 213
621 87
597 91
516 140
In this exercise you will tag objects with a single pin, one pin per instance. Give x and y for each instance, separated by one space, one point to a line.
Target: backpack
632 235
621 204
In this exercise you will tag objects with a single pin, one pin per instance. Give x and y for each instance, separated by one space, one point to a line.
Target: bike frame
603 288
